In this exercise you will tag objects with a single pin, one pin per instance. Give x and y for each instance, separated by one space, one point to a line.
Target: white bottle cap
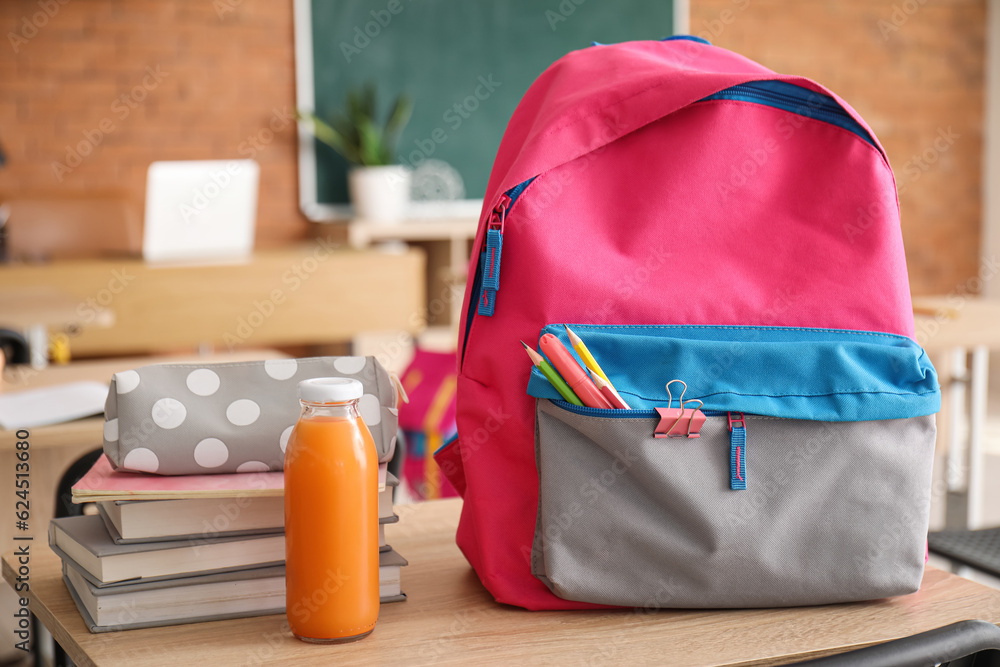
330 390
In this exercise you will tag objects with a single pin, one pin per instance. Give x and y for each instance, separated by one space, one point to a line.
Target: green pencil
552 376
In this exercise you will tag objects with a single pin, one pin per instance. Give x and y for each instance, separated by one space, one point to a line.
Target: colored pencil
609 393
595 368
552 376
574 375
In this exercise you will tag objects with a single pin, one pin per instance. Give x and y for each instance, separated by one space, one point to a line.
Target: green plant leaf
370 150
402 109
330 136
349 132
355 133
368 101
326 134
355 112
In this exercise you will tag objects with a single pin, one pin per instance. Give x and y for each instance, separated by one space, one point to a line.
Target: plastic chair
979 549
65 507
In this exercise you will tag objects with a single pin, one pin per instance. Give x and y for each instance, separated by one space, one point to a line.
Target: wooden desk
310 294
26 307
451 619
36 310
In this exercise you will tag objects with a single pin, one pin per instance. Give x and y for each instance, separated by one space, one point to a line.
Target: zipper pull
489 259
737 452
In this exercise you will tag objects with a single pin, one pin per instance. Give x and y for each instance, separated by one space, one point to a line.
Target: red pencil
578 381
609 393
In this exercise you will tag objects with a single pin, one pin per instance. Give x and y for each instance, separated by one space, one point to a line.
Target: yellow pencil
591 363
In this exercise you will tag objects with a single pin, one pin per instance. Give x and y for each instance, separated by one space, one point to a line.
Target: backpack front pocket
829 510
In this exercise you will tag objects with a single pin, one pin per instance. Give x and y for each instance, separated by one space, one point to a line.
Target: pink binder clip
680 422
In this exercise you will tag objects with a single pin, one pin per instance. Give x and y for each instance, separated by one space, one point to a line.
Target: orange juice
331 516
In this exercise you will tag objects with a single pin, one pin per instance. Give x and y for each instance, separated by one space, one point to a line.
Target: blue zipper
794 99
737 434
487 276
778 94
621 414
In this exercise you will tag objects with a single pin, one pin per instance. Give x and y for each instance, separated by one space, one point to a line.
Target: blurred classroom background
92 92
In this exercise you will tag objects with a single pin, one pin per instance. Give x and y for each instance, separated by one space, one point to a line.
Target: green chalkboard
465 63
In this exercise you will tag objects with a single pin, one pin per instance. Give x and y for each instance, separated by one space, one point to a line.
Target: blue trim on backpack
794 99
792 372
690 38
450 441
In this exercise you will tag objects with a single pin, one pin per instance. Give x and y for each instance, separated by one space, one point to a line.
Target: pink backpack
692 216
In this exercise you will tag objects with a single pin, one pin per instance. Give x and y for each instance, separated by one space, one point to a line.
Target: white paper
51 405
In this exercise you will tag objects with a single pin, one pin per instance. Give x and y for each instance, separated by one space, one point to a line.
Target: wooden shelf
361 233
446 241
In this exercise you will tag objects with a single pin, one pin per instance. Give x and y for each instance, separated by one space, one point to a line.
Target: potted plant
379 188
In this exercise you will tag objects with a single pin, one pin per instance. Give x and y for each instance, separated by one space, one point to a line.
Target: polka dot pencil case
192 419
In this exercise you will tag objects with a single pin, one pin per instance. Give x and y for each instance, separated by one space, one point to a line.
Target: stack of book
172 550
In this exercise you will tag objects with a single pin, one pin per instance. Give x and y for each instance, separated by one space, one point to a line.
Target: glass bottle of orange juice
331 516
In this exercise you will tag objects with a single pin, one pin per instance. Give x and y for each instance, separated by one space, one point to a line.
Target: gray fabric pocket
190 419
833 512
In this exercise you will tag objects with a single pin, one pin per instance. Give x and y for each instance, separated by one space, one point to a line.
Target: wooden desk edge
434 522
63 635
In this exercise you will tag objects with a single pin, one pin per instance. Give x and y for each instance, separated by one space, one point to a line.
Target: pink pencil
570 371
609 393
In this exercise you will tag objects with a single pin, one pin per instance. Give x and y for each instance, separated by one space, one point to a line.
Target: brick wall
914 70
228 64
132 81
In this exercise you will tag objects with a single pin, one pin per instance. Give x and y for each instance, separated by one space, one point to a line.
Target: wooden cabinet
311 294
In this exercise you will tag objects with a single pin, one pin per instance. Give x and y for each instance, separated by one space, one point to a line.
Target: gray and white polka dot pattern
183 419
203 382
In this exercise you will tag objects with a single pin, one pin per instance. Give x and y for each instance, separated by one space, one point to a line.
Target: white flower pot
379 194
